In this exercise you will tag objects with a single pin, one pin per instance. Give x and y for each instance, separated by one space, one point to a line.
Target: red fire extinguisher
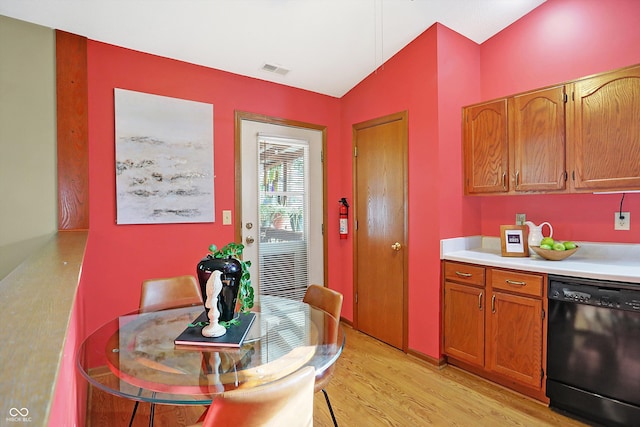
344 218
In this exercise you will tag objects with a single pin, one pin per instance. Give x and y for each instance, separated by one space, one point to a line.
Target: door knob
249 240
396 246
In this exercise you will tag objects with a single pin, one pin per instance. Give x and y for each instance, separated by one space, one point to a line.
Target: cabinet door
464 323
537 135
486 148
606 131
514 347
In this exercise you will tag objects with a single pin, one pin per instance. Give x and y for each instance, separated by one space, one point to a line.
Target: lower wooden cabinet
495 327
514 338
464 323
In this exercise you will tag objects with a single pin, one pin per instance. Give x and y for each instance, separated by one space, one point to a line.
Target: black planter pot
231 274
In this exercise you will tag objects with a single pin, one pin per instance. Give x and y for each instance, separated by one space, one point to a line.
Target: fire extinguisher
344 218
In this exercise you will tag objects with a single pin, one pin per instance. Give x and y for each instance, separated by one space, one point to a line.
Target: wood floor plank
375 385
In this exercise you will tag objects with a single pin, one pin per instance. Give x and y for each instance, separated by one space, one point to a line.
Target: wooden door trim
402 115
261 118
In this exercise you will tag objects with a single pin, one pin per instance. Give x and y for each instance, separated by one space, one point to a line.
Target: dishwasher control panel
622 297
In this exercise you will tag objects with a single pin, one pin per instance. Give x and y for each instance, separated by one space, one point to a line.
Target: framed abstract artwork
163 159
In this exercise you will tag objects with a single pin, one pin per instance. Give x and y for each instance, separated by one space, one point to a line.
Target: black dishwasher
593 349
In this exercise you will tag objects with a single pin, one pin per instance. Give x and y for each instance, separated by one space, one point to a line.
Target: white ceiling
329 46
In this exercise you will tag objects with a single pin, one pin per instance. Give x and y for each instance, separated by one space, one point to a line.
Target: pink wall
432 79
431 87
119 257
70 397
559 41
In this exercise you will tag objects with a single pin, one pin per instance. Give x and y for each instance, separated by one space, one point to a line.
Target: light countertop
604 261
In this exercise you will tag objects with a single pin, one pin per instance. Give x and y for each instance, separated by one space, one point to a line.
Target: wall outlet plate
622 221
520 219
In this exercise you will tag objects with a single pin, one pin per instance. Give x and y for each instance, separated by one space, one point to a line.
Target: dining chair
329 301
284 402
170 292
163 293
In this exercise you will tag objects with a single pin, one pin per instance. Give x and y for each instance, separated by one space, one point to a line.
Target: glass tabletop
134 356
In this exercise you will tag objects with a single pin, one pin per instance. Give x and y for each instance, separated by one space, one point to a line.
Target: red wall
559 41
431 87
432 79
119 257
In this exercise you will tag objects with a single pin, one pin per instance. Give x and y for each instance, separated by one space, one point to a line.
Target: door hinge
321 156
356 297
355 151
355 224
322 229
543 314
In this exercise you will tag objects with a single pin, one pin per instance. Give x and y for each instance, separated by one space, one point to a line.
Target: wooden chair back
170 292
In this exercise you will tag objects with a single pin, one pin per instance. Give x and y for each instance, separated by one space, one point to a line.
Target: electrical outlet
622 221
226 217
520 219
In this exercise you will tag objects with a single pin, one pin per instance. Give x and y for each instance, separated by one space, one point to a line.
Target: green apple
546 247
547 241
569 245
558 246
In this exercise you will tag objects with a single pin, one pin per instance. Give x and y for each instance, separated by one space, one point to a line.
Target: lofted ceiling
324 46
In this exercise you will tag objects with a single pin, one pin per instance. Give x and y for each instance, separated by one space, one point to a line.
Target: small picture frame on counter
513 240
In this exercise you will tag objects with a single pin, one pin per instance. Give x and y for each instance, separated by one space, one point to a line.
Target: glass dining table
134 355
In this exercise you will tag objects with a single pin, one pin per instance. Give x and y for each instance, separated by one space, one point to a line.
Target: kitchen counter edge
603 261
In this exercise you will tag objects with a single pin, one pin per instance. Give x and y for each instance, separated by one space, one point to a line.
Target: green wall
28 193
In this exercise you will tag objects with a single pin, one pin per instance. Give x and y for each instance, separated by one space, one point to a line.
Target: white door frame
241 117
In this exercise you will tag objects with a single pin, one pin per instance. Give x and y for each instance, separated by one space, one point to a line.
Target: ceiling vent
275 69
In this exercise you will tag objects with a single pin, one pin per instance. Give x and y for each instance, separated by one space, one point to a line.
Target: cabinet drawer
522 283
463 273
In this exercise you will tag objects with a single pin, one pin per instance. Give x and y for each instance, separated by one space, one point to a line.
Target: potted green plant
237 290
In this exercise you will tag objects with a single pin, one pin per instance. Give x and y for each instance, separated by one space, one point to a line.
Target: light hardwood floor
375 385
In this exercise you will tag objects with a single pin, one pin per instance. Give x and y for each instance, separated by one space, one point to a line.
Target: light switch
226 217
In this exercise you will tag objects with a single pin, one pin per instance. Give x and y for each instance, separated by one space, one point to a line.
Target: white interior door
282 207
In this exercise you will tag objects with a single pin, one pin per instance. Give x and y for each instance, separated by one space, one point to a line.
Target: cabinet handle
493 303
513 282
461 274
480 301
504 180
517 178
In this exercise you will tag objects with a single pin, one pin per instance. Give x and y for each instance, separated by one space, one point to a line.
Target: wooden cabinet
581 136
537 140
515 325
486 148
464 329
605 136
493 324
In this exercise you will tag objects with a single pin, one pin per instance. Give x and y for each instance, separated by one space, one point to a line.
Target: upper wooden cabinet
537 140
605 136
485 147
581 136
